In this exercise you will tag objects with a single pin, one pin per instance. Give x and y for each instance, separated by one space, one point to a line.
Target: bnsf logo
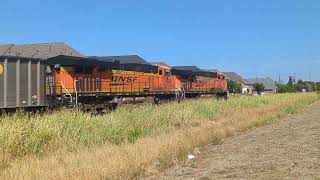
124 78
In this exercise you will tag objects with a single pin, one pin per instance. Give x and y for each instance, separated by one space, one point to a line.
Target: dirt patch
286 149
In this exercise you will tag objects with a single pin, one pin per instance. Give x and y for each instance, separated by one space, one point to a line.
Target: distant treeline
300 86
234 87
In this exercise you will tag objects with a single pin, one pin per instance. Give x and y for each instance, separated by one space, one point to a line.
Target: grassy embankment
122 144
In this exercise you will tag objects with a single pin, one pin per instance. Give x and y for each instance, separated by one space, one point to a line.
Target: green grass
24 133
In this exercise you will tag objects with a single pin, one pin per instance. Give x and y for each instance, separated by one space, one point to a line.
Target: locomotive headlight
57 66
1 69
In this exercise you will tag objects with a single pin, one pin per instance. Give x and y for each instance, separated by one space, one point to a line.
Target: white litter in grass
191 157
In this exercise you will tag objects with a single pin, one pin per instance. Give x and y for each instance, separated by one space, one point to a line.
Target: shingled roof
237 78
42 50
269 84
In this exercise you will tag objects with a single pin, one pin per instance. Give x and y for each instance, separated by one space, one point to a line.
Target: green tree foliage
259 87
286 88
234 87
300 86
307 85
318 86
290 87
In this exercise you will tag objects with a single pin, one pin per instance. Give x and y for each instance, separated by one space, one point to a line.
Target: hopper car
99 83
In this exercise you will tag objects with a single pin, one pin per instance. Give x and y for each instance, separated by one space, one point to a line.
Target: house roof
269 84
127 59
42 50
237 78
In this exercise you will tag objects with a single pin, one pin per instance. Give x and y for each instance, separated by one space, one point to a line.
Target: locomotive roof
160 63
74 60
128 59
192 70
66 60
187 68
101 62
129 63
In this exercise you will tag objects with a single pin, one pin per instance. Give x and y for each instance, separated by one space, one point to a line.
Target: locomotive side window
167 73
78 70
102 69
88 70
160 72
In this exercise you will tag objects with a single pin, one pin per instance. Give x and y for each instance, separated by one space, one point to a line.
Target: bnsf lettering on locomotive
114 78
124 78
121 78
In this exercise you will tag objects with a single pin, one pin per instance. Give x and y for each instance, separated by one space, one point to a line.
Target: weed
124 142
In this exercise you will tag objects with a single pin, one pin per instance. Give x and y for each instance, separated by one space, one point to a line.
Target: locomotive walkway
286 149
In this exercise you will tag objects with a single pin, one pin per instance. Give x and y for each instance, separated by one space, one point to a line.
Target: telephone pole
309 76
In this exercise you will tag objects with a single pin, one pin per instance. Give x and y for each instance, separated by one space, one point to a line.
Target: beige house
246 86
268 83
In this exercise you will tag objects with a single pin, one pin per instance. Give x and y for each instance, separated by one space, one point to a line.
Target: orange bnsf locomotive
97 83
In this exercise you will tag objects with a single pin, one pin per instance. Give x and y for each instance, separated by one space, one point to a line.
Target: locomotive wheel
114 106
156 101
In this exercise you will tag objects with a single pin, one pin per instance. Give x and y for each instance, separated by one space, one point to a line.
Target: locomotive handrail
62 85
75 90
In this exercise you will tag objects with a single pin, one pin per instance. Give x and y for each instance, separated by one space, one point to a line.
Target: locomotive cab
166 81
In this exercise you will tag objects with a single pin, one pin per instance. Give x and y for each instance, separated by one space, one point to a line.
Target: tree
286 88
290 87
234 87
300 86
259 87
317 86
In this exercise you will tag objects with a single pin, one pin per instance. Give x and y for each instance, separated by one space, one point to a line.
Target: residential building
268 83
246 86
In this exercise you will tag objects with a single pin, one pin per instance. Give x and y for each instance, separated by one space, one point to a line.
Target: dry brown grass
129 160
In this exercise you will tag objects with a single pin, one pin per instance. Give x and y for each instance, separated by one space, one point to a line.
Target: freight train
98 83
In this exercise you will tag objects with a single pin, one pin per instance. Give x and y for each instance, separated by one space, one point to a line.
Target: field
132 141
285 149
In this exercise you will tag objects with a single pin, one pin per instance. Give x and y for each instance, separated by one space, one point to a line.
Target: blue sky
255 38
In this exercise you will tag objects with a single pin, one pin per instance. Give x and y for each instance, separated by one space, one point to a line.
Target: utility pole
309 76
